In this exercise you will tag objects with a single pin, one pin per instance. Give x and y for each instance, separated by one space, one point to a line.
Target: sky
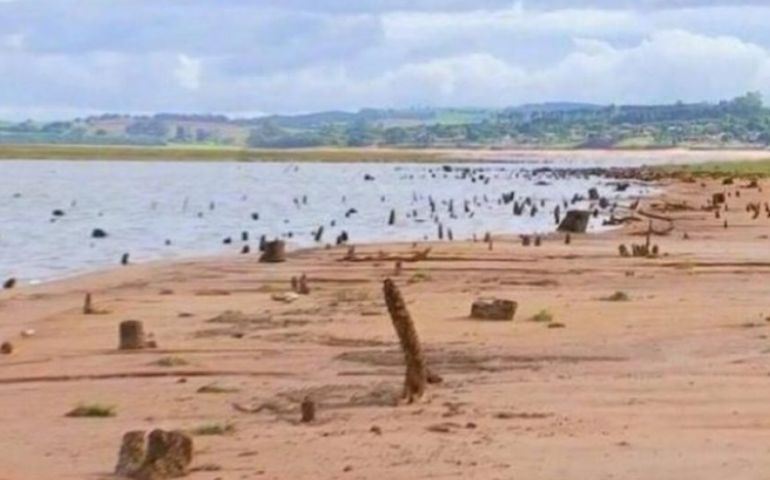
66 58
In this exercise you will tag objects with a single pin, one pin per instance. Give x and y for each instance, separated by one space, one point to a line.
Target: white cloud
188 72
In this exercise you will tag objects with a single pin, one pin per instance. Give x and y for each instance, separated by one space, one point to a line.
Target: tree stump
169 455
88 308
274 252
6 348
132 335
308 410
575 221
131 455
302 287
416 372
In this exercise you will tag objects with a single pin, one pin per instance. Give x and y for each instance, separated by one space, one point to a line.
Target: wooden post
88 308
416 373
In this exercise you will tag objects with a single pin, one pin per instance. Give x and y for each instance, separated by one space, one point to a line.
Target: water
195 206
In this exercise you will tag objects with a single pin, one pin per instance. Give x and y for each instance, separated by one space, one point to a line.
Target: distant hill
740 122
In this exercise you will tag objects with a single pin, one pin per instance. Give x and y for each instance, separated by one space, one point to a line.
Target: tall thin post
416 372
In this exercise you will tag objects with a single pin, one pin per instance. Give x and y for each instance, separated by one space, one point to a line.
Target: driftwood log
416 371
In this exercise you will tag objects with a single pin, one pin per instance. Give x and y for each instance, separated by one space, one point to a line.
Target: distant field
213 153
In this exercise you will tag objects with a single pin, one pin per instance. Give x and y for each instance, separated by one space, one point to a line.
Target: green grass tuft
618 297
214 388
92 410
543 316
171 362
214 429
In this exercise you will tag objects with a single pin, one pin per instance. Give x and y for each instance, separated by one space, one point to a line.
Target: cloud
239 56
188 72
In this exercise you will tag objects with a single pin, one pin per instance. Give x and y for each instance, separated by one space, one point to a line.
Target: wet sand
671 384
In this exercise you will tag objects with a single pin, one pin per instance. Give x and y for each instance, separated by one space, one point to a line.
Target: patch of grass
418 277
214 388
214 429
92 410
618 296
217 153
171 362
351 296
543 316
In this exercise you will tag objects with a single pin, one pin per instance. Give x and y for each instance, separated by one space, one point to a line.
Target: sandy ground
671 384
670 156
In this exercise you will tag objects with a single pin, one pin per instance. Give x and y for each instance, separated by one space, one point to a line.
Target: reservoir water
165 210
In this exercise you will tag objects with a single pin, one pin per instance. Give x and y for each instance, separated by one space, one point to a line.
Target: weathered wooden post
416 372
88 308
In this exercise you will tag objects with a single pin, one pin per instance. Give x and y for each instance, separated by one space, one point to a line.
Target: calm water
196 205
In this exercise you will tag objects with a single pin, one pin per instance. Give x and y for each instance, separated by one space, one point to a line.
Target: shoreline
370 154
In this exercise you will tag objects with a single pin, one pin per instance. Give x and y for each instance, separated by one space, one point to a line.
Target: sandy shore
671 384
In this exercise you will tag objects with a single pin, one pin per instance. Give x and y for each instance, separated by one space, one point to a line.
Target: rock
718 198
132 335
9 284
285 297
576 221
274 252
98 233
6 348
493 309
